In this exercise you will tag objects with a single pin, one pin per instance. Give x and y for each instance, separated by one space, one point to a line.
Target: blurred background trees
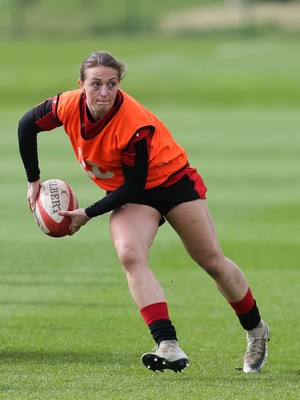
79 18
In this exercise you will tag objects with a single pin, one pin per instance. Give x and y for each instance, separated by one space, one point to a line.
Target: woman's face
100 85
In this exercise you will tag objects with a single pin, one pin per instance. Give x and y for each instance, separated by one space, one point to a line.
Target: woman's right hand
32 192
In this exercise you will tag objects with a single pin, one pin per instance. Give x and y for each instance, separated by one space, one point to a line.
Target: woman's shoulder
71 94
68 101
136 111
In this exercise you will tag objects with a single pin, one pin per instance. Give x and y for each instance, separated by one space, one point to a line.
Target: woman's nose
103 91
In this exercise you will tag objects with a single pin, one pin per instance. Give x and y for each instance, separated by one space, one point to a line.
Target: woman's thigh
133 227
193 223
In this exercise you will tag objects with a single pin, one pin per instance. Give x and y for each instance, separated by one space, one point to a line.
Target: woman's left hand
78 219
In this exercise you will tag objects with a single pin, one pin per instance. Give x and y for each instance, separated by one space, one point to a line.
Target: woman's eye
111 85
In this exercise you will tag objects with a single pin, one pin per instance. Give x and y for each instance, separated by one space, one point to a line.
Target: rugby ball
54 195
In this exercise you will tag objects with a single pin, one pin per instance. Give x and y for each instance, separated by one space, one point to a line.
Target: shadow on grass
40 303
107 358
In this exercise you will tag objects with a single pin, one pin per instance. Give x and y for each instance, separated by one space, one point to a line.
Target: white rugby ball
54 195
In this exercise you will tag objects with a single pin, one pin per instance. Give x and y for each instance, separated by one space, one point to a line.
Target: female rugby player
130 153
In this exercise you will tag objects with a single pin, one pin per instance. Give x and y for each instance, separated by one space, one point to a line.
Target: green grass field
69 329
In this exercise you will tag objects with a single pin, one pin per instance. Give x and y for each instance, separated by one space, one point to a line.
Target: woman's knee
128 255
212 262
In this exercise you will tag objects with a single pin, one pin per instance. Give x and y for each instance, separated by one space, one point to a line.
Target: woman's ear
81 85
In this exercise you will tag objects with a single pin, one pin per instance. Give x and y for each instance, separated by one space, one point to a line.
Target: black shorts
163 199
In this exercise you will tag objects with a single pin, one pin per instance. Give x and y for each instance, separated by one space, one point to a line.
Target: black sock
250 319
162 329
